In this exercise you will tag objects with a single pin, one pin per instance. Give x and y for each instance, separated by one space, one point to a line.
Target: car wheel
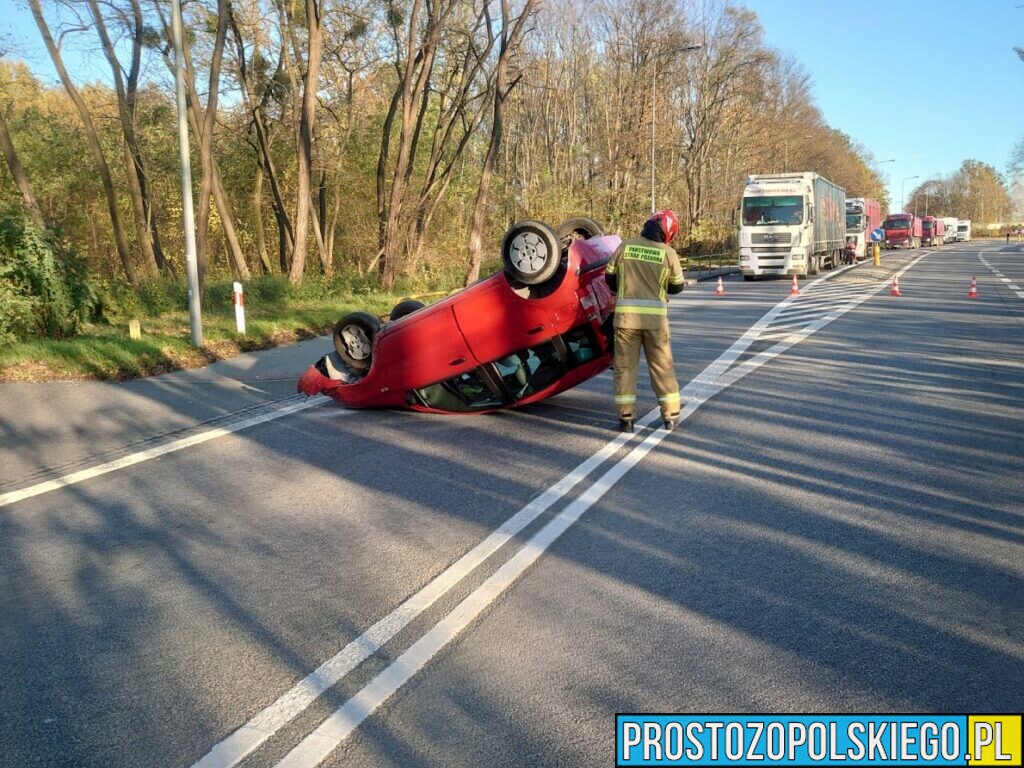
530 252
353 339
407 307
577 228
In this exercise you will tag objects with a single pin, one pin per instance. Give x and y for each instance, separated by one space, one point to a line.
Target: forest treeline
391 139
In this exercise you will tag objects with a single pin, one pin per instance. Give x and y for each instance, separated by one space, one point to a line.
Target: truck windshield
897 224
962 228
926 225
763 211
854 222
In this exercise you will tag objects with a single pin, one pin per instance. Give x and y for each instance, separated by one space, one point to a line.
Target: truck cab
902 229
790 224
963 231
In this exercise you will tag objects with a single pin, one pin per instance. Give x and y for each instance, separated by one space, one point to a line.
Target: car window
532 370
465 392
522 373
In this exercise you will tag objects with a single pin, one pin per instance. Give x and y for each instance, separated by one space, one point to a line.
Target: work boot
669 424
626 424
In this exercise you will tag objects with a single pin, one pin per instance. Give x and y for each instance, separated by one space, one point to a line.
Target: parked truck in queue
950 223
963 231
902 229
933 231
863 215
791 224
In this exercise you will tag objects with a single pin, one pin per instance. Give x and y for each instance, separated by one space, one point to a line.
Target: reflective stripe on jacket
644 269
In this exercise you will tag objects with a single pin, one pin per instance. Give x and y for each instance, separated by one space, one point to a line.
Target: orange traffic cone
895 286
720 290
973 293
795 290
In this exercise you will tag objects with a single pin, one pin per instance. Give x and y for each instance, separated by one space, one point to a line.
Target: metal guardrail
709 264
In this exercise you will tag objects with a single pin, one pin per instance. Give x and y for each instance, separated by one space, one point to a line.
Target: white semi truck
963 231
791 224
951 223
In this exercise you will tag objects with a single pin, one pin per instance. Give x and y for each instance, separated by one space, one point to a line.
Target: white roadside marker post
239 299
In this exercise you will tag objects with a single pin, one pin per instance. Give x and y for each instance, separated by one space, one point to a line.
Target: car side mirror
810 214
734 217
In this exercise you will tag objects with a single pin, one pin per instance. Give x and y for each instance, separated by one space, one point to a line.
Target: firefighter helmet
667 222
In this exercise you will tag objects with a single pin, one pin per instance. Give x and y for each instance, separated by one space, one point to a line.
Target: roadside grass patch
275 315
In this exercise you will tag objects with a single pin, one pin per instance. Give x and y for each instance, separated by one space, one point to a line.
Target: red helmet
667 222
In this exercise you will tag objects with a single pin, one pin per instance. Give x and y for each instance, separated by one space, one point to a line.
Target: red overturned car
539 327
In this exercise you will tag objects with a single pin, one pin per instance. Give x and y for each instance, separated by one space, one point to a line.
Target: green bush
162 294
45 289
268 289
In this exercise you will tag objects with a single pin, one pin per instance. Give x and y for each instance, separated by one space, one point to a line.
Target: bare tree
20 177
124 254
501 90
126 90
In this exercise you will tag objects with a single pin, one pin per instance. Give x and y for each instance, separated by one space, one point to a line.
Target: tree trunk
123 252
509 42
257 213
307 122
20 178
135 165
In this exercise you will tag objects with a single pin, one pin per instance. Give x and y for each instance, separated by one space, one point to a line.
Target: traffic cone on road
895 286
973 293
720 290
795 290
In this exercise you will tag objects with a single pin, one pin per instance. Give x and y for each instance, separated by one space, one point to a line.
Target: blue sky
927 82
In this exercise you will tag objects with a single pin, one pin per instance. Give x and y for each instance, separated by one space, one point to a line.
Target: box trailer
791 224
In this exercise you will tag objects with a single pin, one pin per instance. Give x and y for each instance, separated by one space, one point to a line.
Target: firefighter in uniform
641 272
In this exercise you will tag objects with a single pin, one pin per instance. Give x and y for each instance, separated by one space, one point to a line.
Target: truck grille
771 237
782 249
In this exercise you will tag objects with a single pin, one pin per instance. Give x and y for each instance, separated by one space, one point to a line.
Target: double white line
315 747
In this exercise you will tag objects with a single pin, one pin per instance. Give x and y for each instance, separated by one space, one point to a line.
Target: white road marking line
138 457
1005 279
324 739
266 723
1013 287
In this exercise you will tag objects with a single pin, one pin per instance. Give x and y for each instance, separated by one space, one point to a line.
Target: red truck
933 231
863 216
902 229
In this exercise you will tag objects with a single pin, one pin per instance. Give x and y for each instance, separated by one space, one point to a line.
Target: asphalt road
836 526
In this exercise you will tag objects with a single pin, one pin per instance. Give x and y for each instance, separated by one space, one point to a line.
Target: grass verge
105 351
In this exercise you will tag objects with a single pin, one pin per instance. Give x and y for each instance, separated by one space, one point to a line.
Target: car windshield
854 222
764 211
896 223
513 377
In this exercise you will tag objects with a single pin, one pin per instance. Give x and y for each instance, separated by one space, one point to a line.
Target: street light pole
654 112
195 319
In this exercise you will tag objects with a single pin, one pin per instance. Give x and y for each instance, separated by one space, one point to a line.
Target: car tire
530 252
353 339
577 228
403 308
